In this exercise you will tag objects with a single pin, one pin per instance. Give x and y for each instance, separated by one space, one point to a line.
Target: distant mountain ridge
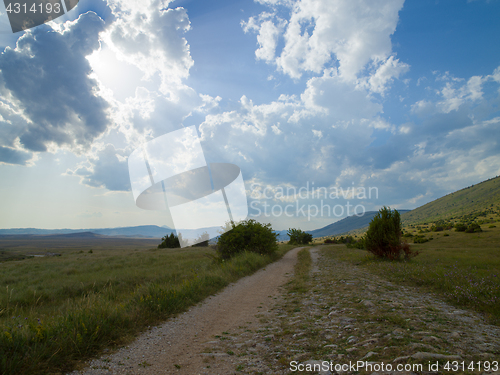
347 224
153 231
148 231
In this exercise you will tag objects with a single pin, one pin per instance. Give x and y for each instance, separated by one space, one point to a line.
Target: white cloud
496 75
149 35
456 94
317 133
107 168
291 139
423 107
268 34
352 32
386 72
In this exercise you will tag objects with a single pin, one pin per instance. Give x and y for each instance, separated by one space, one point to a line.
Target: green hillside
347 225
473 199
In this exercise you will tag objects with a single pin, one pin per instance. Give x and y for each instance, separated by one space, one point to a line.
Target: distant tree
298 237
171 242
383 238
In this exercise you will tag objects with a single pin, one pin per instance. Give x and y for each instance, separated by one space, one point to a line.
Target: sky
329 107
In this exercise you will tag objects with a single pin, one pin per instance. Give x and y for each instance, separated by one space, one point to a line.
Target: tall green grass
57 312
463 268
301 272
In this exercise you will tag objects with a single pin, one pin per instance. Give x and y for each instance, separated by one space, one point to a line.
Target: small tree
383 238
298 237
171 242
248 235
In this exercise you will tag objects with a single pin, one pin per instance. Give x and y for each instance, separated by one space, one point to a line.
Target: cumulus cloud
326 135
322 127
333 131
385 74
148 34
150 37
267 38
9 155
455 94
106 168
46 77
321 33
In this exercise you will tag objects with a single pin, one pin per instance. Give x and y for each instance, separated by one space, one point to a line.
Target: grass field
464 268
56 312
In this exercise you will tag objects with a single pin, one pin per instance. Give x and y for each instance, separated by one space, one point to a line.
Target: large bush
298 237
248 235
473 228
383 238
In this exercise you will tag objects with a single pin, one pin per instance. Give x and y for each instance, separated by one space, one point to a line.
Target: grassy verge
463 268
301 272
300 281
57 312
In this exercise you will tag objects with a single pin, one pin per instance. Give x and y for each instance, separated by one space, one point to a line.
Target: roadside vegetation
247 236
301 273
56 312
299 237
463 267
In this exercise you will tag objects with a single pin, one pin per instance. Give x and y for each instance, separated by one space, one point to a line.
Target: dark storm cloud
47 73
13 156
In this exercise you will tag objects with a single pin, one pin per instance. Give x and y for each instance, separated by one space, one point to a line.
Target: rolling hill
347 224
472 199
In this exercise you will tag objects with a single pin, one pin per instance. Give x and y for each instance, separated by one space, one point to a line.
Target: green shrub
341 240
170 242
420 239
473 228
437 228
383 238
359 244
460 227
248 235
298 237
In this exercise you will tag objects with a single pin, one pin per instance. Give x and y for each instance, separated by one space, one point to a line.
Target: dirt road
178 345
